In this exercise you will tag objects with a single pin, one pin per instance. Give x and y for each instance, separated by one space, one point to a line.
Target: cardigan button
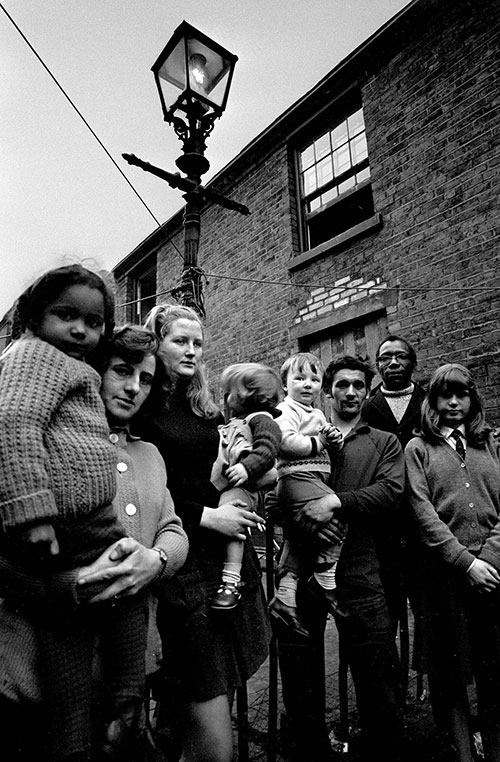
467 484
462 465
121 467
113 438
471 505
130 509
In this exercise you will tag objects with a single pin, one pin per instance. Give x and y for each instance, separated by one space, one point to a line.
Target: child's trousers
67 643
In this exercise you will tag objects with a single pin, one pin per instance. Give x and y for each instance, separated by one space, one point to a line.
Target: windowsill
368 226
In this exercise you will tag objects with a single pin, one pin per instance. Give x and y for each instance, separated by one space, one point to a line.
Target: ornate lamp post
202 70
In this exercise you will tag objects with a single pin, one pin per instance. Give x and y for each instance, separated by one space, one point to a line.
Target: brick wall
432 113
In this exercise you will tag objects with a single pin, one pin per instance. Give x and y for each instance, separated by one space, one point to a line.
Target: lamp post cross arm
175 180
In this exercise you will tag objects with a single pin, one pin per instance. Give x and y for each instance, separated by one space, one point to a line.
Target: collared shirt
447 433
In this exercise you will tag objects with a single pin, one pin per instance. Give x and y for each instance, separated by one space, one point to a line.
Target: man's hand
315 514
333 533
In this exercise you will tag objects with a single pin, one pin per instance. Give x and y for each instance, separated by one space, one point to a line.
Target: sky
62 199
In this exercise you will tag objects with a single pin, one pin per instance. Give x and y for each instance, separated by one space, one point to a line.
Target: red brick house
375 207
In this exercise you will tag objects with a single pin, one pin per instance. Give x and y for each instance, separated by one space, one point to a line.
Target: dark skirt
206 652
452 619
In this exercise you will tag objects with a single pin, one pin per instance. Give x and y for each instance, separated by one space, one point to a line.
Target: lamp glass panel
208 72
172 74
173 69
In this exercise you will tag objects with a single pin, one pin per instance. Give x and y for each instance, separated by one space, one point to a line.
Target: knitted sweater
141 486
301 447
252 441
456 505
55 454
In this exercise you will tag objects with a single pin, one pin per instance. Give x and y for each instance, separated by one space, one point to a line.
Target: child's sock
326 578
287 590
231 572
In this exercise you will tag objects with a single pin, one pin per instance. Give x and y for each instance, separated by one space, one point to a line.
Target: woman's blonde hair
160 320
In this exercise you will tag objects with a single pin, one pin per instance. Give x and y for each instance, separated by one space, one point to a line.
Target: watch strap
163 559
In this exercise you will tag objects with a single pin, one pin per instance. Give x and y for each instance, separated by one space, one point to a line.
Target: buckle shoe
227 596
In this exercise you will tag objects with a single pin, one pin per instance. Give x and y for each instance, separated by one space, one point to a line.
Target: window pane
310 184
363 175
335 194
322 146
325 171
356 123
341 160
329 195
347 185
359 150
339 135
307 157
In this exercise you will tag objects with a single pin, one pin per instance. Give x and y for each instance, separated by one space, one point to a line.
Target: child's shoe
328 597
227 596
116 742
288 616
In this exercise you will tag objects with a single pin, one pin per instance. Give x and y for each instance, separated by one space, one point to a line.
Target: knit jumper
55 454
301 447
455 504
141 486
252 441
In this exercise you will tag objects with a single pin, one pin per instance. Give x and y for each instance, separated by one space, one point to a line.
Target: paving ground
259 740
419 730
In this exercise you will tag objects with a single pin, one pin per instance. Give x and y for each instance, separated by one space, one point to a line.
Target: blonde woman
206 655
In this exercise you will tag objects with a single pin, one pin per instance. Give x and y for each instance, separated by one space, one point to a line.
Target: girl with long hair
453 477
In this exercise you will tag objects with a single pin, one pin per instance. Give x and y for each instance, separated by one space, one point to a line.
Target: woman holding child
209 653
58 321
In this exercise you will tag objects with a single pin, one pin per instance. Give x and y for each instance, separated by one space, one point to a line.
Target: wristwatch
163 559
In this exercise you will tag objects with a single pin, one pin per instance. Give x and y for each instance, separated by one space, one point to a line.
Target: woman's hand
483 575
124 569
231 520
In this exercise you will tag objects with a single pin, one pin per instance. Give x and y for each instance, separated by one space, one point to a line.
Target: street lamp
202 70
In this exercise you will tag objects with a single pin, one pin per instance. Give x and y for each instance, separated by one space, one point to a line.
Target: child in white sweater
303 471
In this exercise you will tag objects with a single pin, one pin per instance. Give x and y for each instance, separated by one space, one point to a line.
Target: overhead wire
370 289
77 110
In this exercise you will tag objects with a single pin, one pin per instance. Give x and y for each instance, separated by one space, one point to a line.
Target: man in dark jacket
395 404
368 478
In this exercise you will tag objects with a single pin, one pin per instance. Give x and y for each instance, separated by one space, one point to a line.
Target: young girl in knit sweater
58 481
453 476
303 471
247 455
